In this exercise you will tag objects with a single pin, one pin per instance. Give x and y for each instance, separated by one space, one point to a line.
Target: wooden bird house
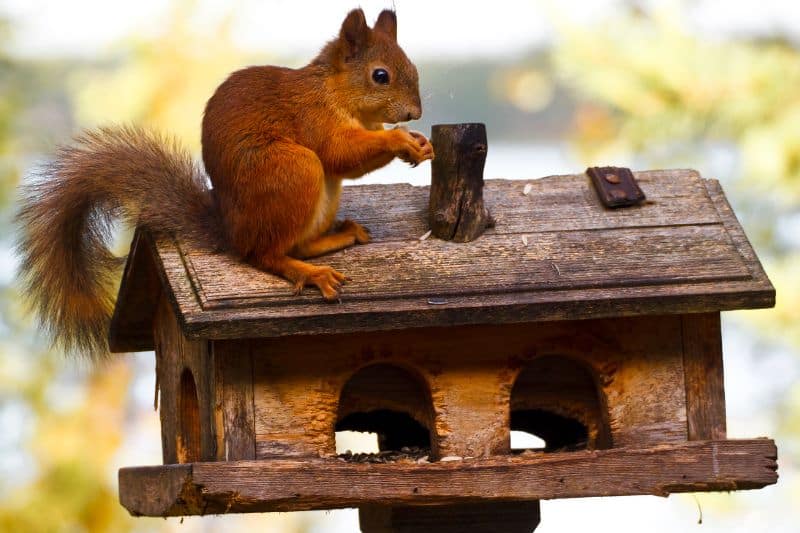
594 328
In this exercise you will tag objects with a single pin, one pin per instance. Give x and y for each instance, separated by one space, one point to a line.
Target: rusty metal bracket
615 186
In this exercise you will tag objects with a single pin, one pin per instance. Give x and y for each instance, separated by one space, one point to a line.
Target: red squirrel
277 143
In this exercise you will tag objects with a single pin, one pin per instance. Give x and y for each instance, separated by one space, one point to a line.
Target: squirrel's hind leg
328 280
278 202
347 234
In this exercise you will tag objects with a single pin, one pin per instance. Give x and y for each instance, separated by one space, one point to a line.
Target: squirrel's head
374 75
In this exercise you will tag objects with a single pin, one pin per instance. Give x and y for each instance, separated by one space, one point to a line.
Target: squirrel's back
255 106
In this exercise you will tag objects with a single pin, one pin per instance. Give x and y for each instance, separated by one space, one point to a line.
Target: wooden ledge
295 485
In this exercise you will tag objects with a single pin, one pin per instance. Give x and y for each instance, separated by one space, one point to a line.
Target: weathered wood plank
554 203
469 375
554 260
176 282
505 308
705 387
236 365
644 393
737 235
168 365
146 490
350 317
174 354
291 485
218 401
132 324
456 211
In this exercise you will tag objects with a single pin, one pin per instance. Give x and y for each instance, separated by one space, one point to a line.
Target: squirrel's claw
329 282
298 288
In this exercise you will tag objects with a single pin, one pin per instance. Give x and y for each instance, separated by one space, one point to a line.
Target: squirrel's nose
414 113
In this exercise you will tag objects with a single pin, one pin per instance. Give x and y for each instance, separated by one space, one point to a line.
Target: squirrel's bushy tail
67 214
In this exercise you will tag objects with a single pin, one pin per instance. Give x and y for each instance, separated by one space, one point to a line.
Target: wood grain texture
705 385
640 372
737 235
168 366
564 261
132 324
554 203
469 373
680 251
238 418
291 485
174 354
456 211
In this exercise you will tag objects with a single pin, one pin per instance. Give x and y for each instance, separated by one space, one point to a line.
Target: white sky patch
77 27
765 17
444 28
427 29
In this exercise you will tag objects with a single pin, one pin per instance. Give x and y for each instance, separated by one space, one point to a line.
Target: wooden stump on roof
456 209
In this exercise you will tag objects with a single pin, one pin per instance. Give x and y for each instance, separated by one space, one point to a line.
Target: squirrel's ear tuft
354 34
387 23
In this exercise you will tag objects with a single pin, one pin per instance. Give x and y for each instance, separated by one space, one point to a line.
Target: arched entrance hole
556 399
389 402
188 448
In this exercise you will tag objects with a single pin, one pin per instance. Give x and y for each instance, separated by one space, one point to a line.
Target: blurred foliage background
652 92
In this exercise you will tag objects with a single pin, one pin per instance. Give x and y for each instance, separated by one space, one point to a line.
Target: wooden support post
705 385
236 374
479 517
456 210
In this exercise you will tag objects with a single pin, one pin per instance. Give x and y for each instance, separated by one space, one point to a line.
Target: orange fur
277 144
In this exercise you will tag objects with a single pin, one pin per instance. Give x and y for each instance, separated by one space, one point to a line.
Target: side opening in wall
385 410
188 446
557 406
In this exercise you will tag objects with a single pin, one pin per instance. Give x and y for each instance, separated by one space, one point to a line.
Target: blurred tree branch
649 87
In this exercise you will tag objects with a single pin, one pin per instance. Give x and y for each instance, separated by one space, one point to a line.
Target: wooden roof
681 251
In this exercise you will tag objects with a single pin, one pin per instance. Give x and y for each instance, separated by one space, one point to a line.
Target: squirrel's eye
380 76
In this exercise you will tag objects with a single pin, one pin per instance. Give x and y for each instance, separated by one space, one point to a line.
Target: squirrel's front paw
425 145
412 147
